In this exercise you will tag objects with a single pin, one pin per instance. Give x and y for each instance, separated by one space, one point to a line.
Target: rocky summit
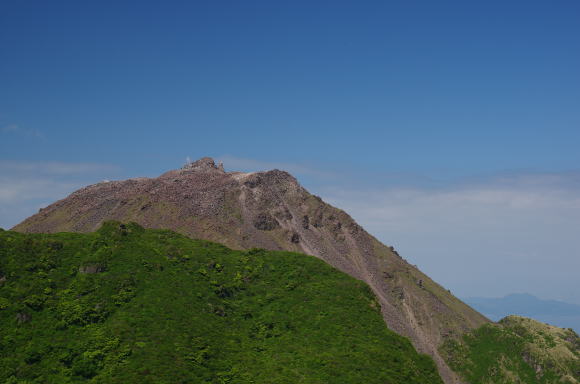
271 210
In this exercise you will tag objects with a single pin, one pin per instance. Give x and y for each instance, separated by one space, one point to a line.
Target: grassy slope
168 309
516 350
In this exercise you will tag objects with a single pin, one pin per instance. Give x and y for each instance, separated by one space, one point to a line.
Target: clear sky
448 128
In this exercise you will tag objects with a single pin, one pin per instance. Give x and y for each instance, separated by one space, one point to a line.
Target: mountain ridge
271 210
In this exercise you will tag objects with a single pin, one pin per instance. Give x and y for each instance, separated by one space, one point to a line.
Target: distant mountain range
553 312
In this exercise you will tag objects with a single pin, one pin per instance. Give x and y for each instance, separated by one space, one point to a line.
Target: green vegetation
128 305
516 350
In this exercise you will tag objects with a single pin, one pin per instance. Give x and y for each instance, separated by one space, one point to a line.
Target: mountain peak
203 164
270 210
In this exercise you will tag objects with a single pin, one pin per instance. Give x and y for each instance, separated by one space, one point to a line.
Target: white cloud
27 186
14 191
488 238
21 131
55 168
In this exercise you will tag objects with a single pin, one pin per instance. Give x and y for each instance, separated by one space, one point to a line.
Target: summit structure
203 164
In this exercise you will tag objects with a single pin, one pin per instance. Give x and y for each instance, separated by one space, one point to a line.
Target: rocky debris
265 222
203 164
388 275
253 183
318 219
284 214
92 269
23 317
295 238
354 228
305 222
398 293
277 179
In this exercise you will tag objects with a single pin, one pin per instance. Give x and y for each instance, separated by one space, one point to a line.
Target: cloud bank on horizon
487 236
27 186
487 239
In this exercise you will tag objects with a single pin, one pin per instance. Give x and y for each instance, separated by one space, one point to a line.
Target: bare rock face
271 210
205 164
265 222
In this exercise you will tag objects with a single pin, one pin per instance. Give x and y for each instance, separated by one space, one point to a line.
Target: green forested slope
516 350
128 305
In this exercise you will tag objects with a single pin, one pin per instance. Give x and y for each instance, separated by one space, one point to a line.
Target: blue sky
460 117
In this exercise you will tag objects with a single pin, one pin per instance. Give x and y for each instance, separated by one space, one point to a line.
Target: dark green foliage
162 308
